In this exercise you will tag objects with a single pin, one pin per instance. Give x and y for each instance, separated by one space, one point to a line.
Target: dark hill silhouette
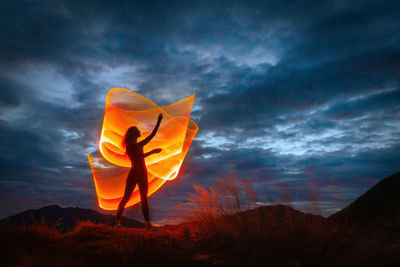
280 213
378 208
64 219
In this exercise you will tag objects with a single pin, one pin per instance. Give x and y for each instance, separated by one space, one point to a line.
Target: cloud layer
300 99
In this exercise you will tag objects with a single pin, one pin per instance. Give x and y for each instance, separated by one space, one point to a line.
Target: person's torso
136 155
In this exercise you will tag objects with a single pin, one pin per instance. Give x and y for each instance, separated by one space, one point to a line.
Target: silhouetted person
138 172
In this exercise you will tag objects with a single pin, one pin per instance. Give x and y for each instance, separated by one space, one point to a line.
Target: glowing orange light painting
110 167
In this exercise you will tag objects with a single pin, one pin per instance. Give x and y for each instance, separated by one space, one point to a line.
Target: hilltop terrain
366 233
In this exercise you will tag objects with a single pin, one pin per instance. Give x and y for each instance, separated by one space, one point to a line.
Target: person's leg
143 188
129 187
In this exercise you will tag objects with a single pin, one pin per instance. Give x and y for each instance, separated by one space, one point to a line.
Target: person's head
131 135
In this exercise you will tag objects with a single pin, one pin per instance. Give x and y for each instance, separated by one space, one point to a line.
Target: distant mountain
378 207
280 213
64 219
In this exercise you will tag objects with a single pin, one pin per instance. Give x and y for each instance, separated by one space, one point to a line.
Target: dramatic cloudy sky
301 100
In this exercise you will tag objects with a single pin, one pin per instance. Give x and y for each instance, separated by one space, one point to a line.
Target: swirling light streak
110 167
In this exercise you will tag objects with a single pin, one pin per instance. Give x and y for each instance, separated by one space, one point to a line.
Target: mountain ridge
64 219
381 201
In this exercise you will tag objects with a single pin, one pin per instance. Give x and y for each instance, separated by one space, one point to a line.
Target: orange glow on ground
124 109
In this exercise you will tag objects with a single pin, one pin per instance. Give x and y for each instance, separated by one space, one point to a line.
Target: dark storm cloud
281 90
9 93
386 101
285 92
26 150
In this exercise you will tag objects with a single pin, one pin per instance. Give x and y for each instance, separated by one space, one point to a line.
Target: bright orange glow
124 109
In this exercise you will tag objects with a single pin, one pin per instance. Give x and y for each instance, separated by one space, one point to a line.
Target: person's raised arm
153 133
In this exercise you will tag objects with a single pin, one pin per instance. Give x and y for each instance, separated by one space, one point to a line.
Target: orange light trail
124 109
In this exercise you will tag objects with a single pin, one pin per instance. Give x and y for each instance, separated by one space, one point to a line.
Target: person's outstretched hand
157 150
160 117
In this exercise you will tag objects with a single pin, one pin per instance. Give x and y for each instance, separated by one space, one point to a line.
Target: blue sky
301 100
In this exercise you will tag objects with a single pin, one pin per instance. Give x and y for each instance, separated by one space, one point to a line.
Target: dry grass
228 197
